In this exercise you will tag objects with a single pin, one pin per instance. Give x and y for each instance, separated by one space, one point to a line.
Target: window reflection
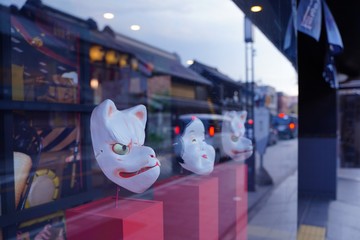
47 227
50 75
47 157
59 58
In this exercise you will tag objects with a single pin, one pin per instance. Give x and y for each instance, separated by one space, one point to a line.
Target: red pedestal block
132 220
232 200
190 207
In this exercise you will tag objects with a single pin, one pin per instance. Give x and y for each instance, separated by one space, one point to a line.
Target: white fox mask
117 139
235 145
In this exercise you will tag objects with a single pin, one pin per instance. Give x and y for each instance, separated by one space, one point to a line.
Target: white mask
198 156
235 145
118 138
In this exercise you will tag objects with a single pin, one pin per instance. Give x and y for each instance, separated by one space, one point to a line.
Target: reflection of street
280 160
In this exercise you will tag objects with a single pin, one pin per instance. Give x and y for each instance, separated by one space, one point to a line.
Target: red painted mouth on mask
132 174
204 156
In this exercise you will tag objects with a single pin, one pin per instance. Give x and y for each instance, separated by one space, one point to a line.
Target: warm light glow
189 62
111 57
96 53
177 130
134 64
292 126
250 122
211 131
123 60
135 27
94 83
281 115
256 8
108 15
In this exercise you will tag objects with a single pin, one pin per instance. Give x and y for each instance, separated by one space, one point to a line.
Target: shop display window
196 124
51 73
46 227
125 84
47 157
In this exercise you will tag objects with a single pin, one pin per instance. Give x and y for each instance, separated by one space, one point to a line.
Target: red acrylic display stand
232 200
190 207
133 219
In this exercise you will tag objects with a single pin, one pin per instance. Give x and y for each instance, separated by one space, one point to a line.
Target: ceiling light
94 83
108 15
256 8
135 27
189 62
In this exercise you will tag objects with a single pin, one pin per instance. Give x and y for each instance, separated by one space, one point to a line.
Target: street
280 160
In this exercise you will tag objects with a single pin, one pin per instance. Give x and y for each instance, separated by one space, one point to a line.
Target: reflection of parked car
286 126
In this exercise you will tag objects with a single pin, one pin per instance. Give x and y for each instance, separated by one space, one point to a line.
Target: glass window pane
181 148
47 157
51 74
46 227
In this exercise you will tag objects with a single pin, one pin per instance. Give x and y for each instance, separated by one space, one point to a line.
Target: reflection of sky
210 31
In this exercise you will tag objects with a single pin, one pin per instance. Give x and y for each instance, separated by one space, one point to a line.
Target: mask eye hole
120 149
234 138
193 140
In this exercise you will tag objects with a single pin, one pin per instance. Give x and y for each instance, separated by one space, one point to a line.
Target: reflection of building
162 83
225 92
287 104
170 81
114 71
46 89
267 97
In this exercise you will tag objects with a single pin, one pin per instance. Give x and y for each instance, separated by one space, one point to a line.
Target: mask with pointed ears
117 139
234 143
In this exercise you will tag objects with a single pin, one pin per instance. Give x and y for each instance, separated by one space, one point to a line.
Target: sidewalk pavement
272 209
280 161
277 217
344 213
275 212
337 219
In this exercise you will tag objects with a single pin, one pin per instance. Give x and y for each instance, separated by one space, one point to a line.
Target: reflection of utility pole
250 104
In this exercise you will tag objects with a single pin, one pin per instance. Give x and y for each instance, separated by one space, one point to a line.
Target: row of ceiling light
135 27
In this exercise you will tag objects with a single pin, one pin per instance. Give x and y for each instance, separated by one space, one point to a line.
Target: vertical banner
335 47
309 18
332 31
